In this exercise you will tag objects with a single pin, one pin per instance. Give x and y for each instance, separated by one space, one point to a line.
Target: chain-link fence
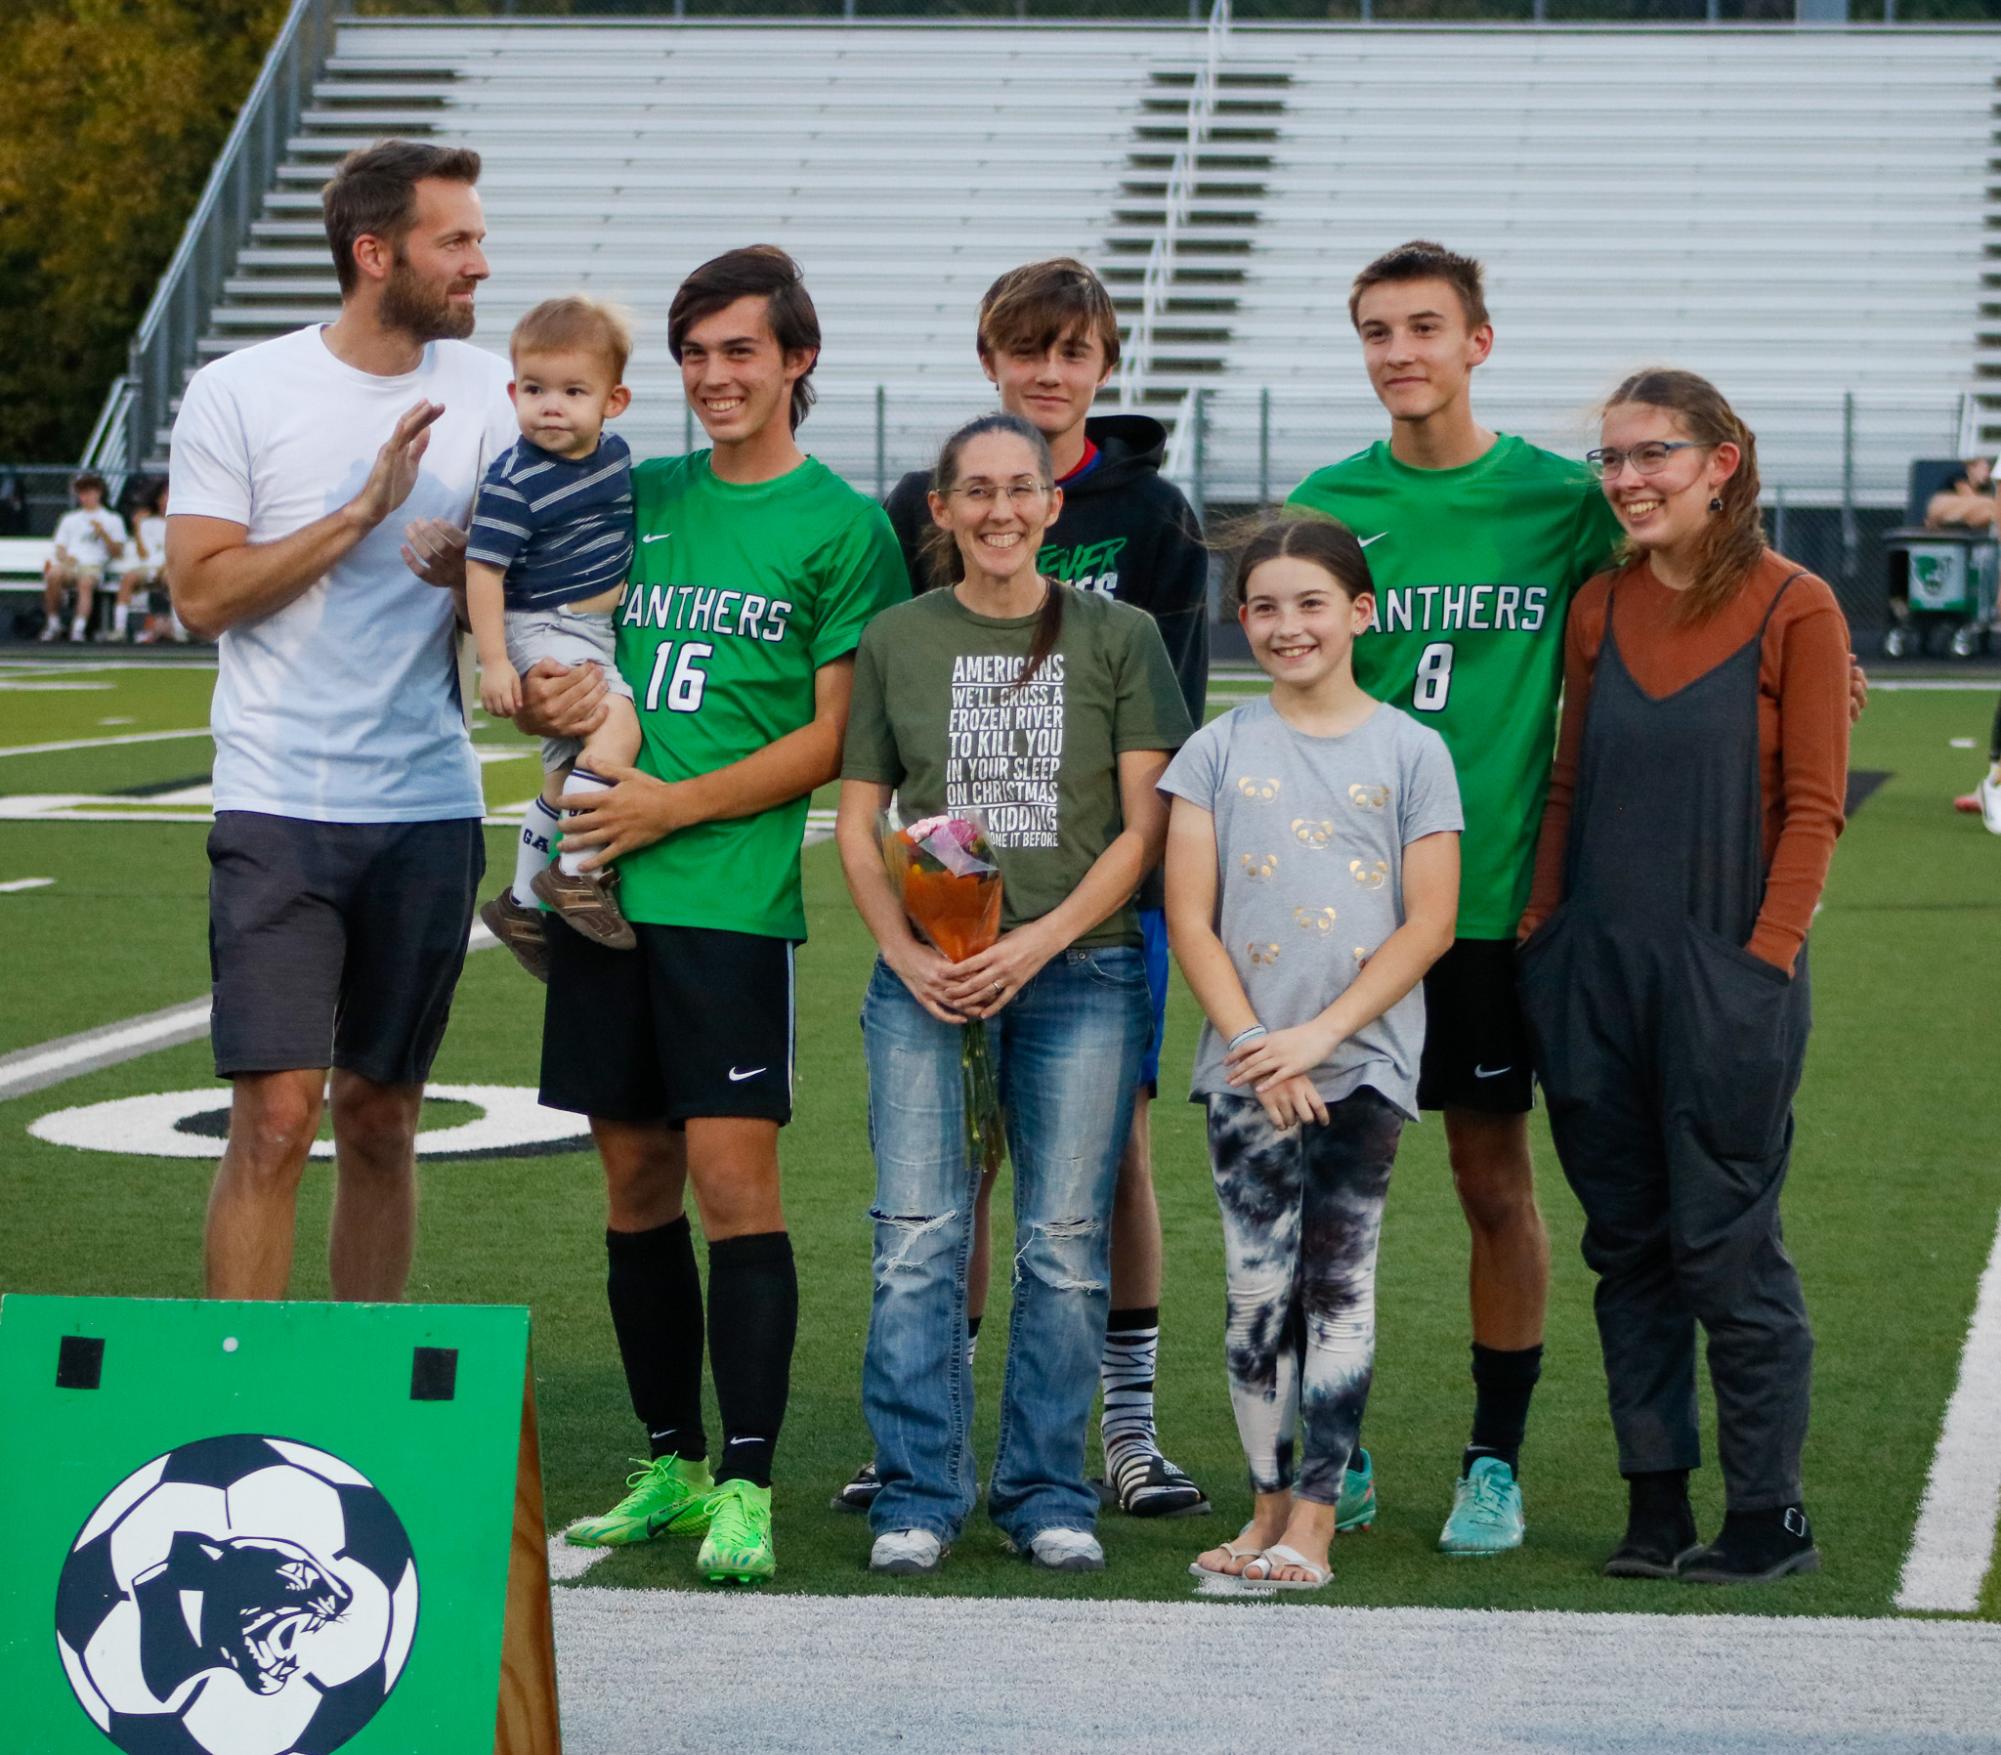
1835 467
34 496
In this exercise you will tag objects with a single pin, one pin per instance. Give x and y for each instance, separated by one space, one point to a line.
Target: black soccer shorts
1476 1044
694 1022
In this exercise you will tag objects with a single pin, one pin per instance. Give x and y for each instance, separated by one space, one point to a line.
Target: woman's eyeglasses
1017 493
1648 459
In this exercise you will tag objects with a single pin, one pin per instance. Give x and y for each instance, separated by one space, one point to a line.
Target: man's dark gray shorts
337 944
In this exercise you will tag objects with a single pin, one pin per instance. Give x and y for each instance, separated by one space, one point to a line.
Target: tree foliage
115 111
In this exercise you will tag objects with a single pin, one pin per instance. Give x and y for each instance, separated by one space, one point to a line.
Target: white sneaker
1990 805
906 1554
1066 1550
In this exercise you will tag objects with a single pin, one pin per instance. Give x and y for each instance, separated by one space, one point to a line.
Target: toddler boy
546 564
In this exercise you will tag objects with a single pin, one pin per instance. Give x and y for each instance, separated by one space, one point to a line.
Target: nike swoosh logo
1378 537
737 1078
662 537
1492 1072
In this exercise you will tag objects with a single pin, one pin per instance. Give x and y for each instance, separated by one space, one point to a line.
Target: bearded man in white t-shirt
346 850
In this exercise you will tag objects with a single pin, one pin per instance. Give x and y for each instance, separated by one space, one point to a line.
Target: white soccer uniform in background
77 536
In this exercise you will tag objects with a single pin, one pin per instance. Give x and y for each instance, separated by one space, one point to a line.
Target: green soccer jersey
738 595
1475 569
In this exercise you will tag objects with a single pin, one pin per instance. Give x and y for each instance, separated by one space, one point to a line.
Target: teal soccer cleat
1486 1511
1356 1508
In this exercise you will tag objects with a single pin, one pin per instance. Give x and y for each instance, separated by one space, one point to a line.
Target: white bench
22 559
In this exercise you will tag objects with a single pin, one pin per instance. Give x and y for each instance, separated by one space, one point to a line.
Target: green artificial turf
1890 1213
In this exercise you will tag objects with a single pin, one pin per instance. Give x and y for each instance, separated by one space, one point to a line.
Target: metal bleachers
1798 215
1801 214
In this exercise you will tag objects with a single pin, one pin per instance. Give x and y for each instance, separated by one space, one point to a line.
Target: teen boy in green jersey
1048 340
1477 541
755 571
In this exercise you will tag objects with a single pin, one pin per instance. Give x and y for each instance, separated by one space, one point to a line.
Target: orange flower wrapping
960 915
944 870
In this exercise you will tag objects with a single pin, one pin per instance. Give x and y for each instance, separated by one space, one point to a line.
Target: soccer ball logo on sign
237 1596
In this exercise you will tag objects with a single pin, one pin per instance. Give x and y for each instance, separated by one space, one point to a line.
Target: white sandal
1277 1555
1237 1550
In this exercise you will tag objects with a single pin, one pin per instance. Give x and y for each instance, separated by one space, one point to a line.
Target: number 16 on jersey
677 673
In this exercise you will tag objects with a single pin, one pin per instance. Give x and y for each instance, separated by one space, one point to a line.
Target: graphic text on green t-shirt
739 595
1474 569
1005 742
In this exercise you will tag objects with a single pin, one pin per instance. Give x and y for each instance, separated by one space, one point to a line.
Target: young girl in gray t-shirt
1312 878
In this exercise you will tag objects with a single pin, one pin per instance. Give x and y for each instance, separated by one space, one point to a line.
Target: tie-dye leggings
1302 1213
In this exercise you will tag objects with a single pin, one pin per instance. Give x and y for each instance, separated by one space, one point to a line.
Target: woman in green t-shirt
1052 713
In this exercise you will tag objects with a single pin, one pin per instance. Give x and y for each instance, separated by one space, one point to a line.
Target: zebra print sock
1125 1370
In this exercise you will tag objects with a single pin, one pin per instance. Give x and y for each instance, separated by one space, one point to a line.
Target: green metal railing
164 349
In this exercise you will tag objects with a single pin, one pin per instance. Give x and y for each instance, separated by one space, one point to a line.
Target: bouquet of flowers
944 870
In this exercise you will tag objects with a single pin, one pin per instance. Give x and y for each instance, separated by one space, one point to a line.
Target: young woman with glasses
1052 712
1693 810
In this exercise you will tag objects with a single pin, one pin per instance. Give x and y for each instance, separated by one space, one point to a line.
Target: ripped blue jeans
1067 1055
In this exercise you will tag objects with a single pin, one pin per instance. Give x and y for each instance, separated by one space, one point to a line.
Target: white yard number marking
1434 678
684 687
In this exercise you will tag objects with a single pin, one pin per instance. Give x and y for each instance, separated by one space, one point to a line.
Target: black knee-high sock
753 1316
1502 1384
656 1311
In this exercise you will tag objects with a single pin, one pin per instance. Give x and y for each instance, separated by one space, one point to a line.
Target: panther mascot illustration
248 1602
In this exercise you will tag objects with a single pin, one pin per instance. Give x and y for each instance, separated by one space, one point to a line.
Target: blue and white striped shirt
560 528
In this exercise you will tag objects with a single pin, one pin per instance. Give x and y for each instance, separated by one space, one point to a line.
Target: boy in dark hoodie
1048 339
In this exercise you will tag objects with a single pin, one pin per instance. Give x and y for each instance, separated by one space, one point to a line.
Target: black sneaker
1660 1528
858 1494
1755 1547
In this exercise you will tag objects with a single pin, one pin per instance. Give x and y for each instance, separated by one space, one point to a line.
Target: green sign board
262 1529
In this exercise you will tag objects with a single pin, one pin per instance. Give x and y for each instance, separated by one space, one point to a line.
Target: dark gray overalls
1669 1056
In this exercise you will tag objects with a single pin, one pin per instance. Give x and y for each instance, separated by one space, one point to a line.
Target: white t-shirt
77 537
343 706
153 538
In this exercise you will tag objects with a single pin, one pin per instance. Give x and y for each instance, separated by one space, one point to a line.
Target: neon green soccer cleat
1486 1511
738 1547
666 1495
1356 1508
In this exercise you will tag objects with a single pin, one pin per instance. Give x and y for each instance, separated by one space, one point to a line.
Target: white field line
34 661
101 743
41 686
49 1063
68 1057
999 1675
1935 685
14 885
1954 1538
567 1564
77 807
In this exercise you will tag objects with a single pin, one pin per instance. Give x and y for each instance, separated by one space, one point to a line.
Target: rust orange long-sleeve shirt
1803 684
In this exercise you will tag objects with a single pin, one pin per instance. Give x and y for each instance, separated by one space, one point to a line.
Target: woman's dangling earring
1716 503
